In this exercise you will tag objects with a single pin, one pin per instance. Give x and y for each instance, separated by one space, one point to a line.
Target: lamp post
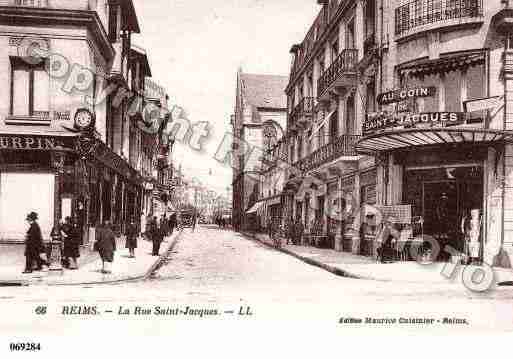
58 157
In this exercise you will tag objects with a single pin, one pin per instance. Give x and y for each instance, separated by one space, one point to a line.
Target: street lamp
58 157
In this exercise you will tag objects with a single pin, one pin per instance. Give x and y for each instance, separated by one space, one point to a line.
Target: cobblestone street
221 269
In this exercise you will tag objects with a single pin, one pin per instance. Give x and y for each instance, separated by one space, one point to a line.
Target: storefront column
507 197
395 182
494 205
357 219
380 183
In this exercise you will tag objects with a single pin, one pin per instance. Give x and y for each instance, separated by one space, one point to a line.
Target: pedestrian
66 240
131 238
33 244
172 223
71 252
106 246
193 224
143 224
155 235
388 238
163 226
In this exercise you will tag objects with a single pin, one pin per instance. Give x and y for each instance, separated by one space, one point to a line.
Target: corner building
46 165
403 109
441 135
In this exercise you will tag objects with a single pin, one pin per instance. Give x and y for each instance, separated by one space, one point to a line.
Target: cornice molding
16 16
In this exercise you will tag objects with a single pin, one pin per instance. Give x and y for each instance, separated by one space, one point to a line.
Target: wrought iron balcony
336 74
424 12
342 146
303 110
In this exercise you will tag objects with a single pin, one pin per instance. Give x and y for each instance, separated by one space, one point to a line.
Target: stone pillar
381 170
339 238
357 219
395 182
494 203
507 233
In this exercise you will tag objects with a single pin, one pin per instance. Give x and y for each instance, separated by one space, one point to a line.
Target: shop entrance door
442 197
441 208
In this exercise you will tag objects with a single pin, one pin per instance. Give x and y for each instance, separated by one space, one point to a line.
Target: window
299 147
30 87
350 115
334 125
370 103
334 50
309 87
369 18
350 35
114 23
322 139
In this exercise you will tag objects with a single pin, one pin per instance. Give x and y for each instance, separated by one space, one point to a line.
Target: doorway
441 198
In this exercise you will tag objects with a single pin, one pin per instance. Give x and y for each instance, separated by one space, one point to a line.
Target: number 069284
24 347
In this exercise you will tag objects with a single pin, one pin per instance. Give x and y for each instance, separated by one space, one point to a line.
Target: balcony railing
423 12
303 109
344 63
342 146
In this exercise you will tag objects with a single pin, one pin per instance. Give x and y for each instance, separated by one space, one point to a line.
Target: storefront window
37 191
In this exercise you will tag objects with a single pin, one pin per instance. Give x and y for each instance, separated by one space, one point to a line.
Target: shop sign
387 98
490 103
27 143
380 121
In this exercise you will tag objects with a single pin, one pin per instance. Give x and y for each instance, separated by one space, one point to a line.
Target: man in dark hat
33 244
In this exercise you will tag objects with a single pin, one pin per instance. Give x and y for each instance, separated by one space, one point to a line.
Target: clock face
83 119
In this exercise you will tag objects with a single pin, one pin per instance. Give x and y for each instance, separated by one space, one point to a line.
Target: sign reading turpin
379 121
20 142
387 98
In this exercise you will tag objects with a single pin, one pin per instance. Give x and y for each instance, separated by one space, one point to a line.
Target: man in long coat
156 236
131 238
172 223
33 244
106 246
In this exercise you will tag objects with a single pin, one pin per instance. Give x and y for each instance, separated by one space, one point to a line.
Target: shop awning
413 137
443 64
255 208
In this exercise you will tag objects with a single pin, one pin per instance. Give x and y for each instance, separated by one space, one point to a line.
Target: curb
334 270
144 276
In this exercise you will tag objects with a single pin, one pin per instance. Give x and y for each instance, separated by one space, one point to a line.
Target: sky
195 49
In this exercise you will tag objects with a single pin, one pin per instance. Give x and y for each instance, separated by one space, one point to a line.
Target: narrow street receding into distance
221 269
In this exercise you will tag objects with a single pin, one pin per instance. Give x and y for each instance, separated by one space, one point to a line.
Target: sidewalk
124 268
360 267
